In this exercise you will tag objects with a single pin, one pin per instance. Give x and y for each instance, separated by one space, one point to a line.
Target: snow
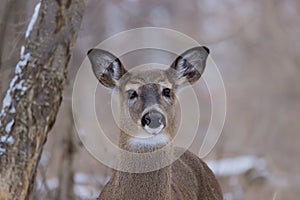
86 186
12 109
7 139
51 183
87 178
85 192
7 101
45 158
24 58
12 87
22 63
22 51
237 165
33 19
20 86
9 125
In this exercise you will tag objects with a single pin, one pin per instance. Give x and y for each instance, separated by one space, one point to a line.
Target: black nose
153 119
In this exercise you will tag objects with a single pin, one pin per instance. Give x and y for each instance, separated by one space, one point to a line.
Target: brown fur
188 178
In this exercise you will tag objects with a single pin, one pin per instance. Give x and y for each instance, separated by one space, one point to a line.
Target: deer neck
150 185
145 175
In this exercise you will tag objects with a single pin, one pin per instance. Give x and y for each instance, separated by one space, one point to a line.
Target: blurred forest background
255 46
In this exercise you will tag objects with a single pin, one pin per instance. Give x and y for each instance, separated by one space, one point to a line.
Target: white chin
154 131
152 141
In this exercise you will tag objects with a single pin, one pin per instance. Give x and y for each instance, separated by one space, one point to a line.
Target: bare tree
34 96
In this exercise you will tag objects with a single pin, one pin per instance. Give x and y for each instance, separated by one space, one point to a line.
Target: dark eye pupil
166 92
132 94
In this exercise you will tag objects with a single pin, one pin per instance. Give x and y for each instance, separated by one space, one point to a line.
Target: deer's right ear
107 68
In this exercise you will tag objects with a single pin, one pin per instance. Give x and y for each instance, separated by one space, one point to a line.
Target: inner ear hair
107 67
189 66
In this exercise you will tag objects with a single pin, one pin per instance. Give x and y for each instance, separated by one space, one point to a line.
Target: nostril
153 119
146 120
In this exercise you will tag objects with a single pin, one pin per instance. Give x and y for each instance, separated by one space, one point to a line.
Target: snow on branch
17 83
33 19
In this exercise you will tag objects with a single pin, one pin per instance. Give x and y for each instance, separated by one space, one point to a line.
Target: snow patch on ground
237 165
86 186
85 192
87 178
51 183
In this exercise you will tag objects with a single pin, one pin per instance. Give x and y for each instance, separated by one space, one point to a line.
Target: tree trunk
32 101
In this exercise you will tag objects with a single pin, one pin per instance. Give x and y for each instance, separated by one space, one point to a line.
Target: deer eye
166 92
132 94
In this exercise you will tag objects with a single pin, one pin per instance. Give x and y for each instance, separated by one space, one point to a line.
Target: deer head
148 97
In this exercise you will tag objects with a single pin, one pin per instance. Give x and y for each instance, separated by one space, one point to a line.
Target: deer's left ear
189 66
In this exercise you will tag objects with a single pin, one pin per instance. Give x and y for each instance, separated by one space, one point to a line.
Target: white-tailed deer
148 120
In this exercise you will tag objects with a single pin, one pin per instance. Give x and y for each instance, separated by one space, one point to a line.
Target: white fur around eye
131 86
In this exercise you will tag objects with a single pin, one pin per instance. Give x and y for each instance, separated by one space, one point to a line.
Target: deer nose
153 120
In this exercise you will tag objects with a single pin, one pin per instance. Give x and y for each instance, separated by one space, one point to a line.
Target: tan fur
188 178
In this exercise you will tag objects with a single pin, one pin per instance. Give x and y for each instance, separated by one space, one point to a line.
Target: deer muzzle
153 122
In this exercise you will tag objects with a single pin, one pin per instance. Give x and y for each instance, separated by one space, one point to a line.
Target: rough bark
32 101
